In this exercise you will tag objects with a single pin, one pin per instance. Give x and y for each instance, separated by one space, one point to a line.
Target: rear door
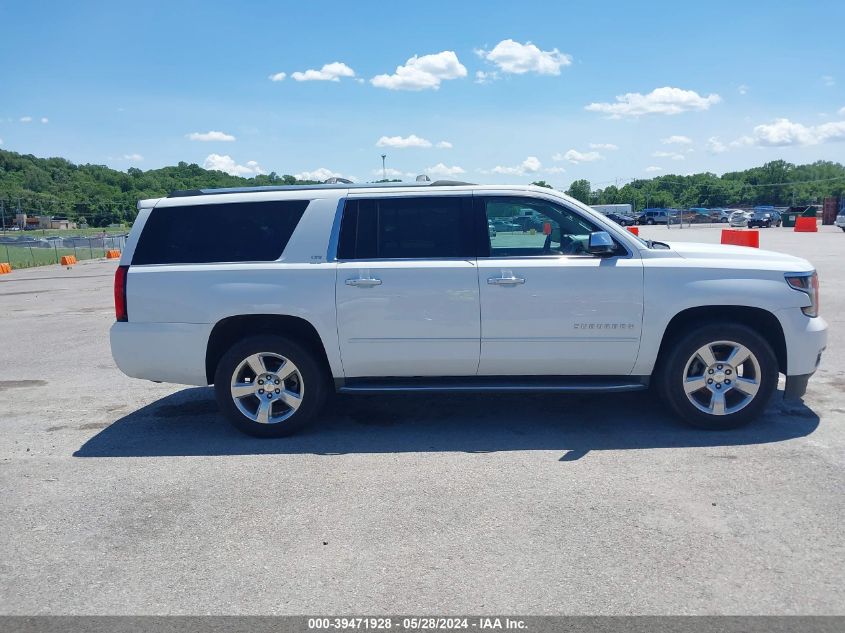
407 287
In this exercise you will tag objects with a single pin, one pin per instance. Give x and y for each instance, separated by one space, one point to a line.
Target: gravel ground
119 496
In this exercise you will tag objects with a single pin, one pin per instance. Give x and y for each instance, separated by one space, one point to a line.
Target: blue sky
569 90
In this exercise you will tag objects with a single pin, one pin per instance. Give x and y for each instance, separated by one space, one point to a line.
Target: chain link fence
24 251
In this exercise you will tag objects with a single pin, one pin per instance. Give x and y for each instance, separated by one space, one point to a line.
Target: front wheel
269 386
650 221
720 376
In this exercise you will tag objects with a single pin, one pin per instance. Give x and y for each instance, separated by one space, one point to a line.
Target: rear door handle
363 282
505 281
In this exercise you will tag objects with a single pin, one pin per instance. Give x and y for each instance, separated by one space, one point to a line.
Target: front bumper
796 386
806 340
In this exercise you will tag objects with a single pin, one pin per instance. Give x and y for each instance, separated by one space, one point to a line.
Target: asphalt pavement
119 496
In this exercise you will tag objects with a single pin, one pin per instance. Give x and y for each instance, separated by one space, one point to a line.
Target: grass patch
25 257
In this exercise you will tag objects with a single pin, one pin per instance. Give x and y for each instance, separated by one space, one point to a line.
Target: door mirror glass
601 243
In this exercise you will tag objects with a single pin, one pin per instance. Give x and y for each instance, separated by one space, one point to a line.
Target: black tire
650 221
671 375
310 380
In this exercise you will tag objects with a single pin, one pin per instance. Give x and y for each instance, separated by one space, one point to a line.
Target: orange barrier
115 254
741 238
634 229
68 260
5 268
806 225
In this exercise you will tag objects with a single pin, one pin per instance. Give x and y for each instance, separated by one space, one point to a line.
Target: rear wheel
720 376
269 386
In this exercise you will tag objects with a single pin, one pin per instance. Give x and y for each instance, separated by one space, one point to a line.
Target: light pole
383 169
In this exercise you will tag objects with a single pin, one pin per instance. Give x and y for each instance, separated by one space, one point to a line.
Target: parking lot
119 496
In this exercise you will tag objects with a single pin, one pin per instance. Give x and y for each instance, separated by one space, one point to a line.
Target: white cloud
227 164
742 89
211 135
672 155
482 77
400 142
607 146
444 170
575 157
133 158
715 146
516 58
319 175
653 168
26 119
329 72
390 172
1 141
841 111
555 170
666 100
444 145
277 76
828 81
676 139
45 120
783 133
422 73
530 165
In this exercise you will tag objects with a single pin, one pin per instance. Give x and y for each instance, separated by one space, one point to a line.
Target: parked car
655 216
720 215
840 220
764 219
278 295
622 220
698 215
491 230
505 226
739 218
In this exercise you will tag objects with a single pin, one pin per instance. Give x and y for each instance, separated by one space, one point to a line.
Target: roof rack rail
334 180
341 184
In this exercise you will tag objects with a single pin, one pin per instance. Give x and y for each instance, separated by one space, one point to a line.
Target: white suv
280 295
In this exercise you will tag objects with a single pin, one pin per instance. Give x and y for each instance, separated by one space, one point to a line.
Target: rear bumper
163 352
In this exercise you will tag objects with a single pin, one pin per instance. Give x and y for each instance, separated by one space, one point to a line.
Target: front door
407 287
548 307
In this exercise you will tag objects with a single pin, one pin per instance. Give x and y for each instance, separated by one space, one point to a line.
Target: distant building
55 222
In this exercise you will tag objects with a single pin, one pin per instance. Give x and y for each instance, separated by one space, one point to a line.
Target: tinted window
524 227
205 233
407 228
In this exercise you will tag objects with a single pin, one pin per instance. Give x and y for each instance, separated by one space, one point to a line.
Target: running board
498 384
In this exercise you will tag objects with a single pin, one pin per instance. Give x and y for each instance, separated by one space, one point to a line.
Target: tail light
808 283
120 293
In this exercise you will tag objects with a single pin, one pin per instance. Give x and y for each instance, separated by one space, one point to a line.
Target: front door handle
505 281
363 282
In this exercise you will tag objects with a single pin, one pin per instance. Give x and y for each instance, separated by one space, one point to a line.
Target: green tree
580 190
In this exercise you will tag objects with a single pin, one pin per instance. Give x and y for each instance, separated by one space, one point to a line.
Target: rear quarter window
211 233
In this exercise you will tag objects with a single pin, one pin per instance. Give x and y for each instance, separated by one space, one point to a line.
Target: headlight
808 283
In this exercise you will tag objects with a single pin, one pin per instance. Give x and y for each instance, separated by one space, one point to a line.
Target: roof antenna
423 178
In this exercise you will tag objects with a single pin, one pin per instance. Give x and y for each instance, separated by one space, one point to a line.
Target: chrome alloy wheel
722 377
267 388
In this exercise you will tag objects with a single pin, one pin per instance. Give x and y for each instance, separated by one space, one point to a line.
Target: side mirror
601 244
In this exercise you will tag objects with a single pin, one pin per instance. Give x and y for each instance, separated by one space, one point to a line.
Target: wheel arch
765 323
228 331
